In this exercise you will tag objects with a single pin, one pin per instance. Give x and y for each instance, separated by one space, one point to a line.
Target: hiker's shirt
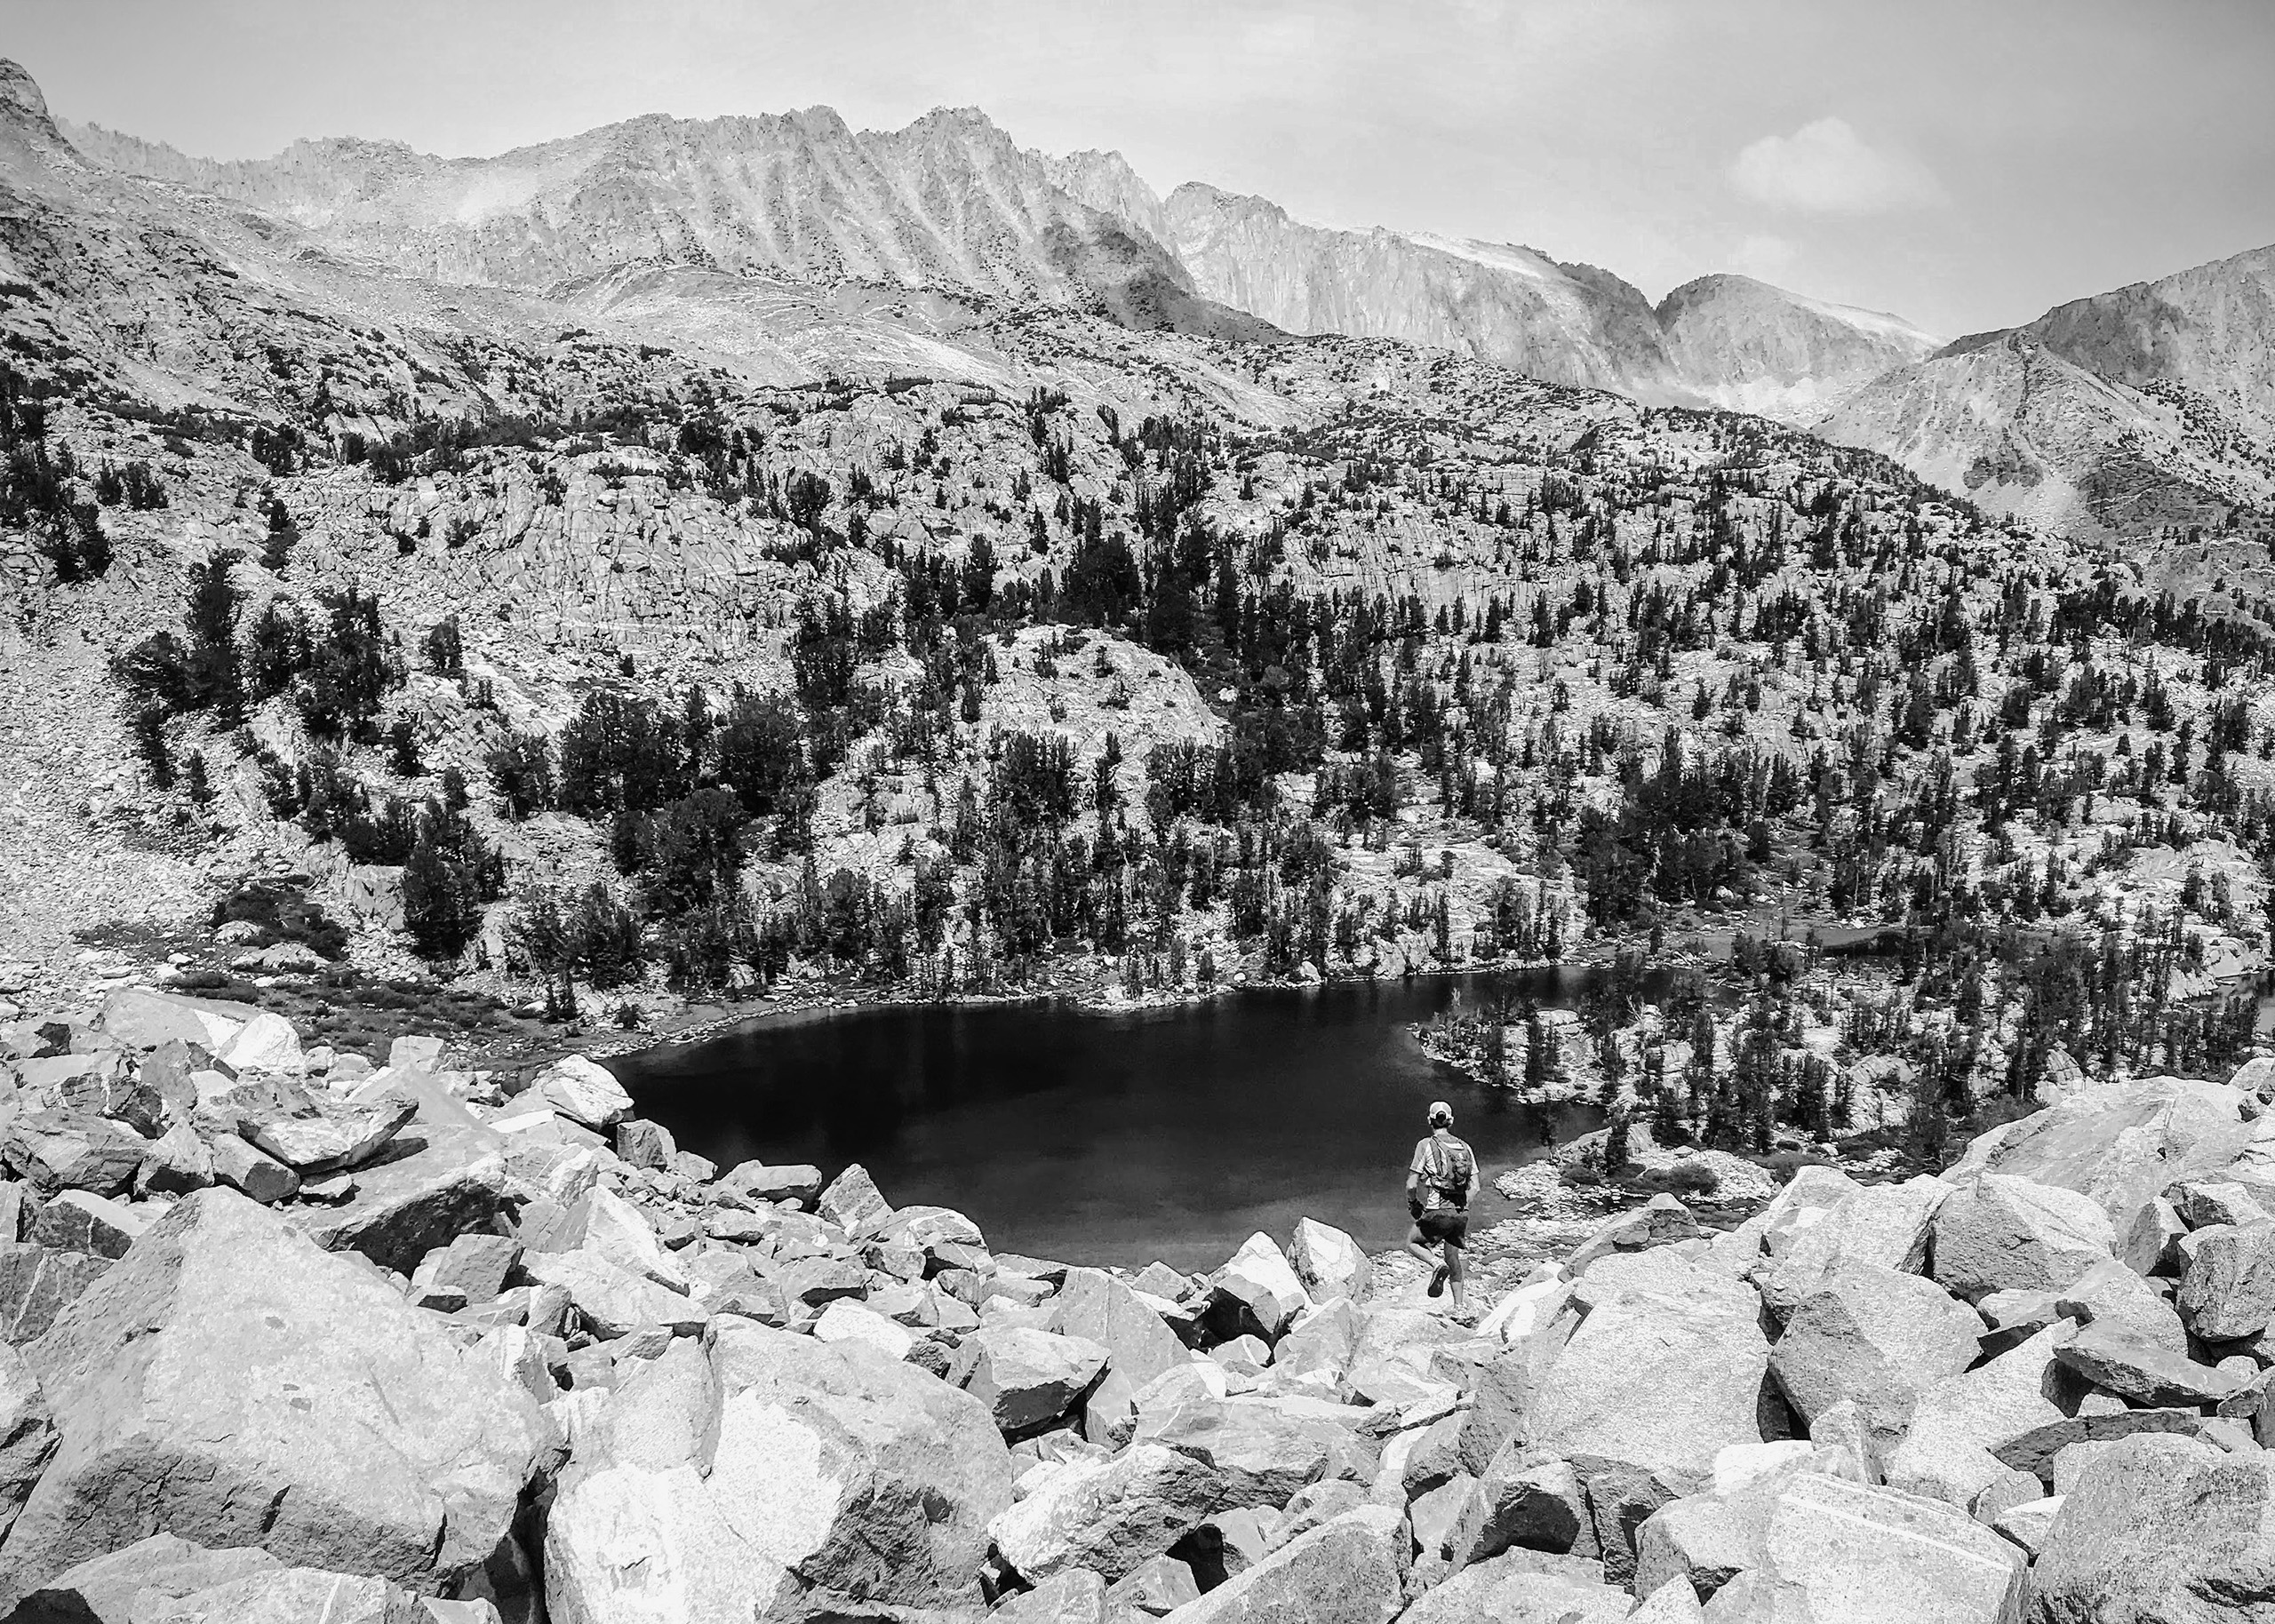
1443 1166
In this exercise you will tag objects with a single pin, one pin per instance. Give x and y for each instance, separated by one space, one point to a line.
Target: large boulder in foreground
774 1478
1256 1293
229 1382
2120 1143
1108 1516
1350 1570
2229 1288
1885 1225
1030 1378
2002 1233
1875 1336
1095 1306
584 1091
1653 1385
122 1586
27 1435
2159 1529
1329 1263
1833 1550
1263 1449
1948 1452
300 1596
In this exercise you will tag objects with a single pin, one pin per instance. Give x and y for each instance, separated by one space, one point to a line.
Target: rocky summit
298 1334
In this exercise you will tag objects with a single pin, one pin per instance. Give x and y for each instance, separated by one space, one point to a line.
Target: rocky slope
1496 302
951 203
1447 613
948 202
2209 328
2021 429
286 1334
1752 347
2130 415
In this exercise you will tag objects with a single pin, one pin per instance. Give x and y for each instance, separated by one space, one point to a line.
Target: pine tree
1615 1142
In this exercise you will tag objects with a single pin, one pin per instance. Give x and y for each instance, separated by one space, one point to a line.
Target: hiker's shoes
1438 1281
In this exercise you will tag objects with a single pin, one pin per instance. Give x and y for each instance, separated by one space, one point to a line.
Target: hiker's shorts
1444 1224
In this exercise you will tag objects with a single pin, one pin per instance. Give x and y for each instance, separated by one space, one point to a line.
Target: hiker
1439 1180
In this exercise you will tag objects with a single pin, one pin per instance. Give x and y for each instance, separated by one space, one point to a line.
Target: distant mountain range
2149 406
953 202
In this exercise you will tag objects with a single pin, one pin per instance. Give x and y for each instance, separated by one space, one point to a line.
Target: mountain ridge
951 203
950 200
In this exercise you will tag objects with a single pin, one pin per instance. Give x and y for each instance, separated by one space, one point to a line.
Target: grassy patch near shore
364 1017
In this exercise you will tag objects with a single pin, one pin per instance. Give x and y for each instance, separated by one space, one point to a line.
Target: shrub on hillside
284 913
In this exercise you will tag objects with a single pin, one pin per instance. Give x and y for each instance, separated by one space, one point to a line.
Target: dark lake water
1118 1138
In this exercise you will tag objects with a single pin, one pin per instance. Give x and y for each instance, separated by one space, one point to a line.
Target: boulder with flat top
229 1382
772 1478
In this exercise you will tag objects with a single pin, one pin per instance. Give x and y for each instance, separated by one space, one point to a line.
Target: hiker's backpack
1446 1165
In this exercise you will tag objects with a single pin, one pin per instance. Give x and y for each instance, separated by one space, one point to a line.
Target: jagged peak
966 124
1217 197
23 107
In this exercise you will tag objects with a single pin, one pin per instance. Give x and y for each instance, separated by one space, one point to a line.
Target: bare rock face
774 1478
27 1435
584 1091
1524 1585
1885 1226
1029 1377
289 1594
230 1383
1752 347
762 1182
1829 1548
72 1149
37 1284
455 1180
1265 1449
612 1301
1109 1516
2229 1290
1350 1570
1877 1337
329 1140
1076 1596
2157 1528
1094 1305
160 1570
2121 1143
853 1203
1664 1218
1652 1386
1499 301
2141 1370
2004 1233
1524 1498
1329 1263
1257 1293
1949 1452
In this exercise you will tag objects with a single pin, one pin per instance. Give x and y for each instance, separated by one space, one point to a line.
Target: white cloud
1826 168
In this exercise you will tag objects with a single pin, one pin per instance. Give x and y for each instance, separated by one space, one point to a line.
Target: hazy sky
1964 162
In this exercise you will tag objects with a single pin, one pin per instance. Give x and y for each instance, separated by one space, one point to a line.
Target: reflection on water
1108 1138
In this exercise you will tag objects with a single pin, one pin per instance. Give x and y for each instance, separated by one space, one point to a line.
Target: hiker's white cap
1440 1112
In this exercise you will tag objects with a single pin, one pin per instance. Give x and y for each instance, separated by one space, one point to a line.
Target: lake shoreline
1181 1127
